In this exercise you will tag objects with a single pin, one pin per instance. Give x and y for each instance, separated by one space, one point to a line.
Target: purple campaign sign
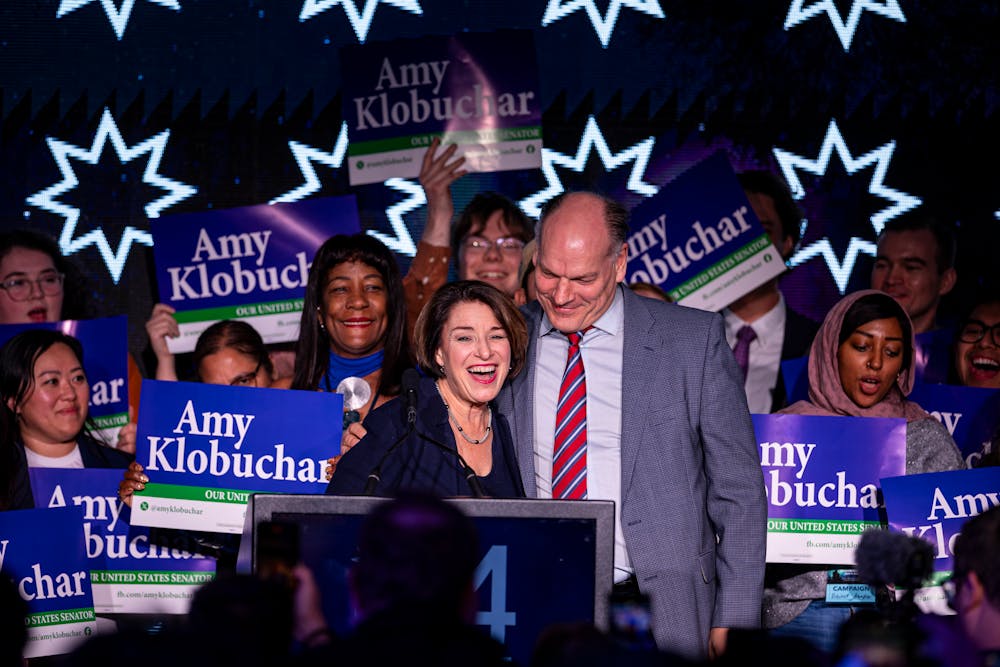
249 263
971 414
934 506
42 550
478 91
699 239
827 467
129 572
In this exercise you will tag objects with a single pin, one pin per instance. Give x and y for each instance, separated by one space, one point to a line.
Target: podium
542 561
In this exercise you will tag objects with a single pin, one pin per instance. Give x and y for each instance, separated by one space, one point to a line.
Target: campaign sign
934 506
699 239
129 573
249 263
971 414
795 373
42 551
205 448
478 91
821 476
105 360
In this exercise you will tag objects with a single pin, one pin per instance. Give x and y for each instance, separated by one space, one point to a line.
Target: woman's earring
441 368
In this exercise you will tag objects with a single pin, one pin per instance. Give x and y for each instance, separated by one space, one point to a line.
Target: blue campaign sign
105 360
130 572
821 476
934 506
205 448
971 414
699 239
479 90
42 550
249 263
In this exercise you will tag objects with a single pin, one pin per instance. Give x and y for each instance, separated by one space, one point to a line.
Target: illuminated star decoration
361 21
117 17
305 155
592 138
603 25
880 157
62 151
845 29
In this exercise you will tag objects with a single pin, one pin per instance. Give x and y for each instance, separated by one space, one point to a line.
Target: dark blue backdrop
112 112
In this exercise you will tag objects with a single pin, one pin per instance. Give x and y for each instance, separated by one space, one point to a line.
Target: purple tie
744 337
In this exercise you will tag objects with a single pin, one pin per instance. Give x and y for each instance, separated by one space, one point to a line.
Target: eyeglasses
20 289
505 244
246 379
974 331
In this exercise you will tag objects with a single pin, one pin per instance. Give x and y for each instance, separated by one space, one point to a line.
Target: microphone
409 382
888 558
356 393
409 394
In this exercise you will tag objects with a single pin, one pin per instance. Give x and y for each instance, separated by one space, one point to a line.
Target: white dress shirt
765 353
602 349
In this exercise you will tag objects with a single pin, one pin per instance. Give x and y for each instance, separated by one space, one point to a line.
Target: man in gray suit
667 432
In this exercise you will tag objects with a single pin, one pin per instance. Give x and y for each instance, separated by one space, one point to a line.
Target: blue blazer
693 509
416 463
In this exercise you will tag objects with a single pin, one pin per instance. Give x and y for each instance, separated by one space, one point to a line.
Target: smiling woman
43 416
469 340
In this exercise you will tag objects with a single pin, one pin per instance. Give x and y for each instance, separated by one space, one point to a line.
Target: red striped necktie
569 460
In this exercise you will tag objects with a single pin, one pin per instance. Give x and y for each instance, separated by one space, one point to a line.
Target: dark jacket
417 463
799 334
93 453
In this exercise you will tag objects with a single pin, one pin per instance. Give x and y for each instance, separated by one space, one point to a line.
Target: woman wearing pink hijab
860 365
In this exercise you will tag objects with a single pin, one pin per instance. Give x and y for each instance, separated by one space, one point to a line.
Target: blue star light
603 25
880 157
305 155
402 242
117 17
361 21
47 200
592 138
845 29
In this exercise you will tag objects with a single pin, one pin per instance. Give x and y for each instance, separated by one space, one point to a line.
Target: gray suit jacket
693 509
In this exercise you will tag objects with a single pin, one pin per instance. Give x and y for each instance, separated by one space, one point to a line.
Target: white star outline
361 22
591 139
603 25
845 28
118 18
305 155
881 156
61 151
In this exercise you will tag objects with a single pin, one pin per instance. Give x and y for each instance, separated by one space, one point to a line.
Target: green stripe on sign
819 526
490 136
722 266
199 493
242 310
149 577
111 421
59 617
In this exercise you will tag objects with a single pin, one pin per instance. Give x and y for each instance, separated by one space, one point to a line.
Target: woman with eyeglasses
38 284
44 401
861 364
488 243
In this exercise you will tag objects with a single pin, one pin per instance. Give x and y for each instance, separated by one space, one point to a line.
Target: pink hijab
826 394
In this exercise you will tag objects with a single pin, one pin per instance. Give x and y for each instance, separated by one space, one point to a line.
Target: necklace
461 431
